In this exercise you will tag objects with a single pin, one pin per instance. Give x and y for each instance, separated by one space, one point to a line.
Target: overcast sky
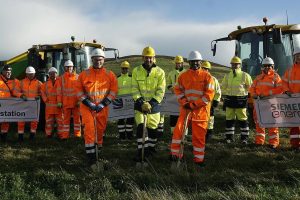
170 26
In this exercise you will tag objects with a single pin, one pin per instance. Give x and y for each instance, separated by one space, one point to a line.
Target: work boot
244 142
208 134
3 137
200 164
130 136
91 158
138 157
244 139
20 138
173 158
31 136
122 136
151 151
229 139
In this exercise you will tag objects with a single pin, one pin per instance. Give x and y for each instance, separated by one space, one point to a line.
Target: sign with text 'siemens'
278 111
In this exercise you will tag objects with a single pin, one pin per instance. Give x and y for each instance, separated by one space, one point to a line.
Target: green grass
53 169
165 62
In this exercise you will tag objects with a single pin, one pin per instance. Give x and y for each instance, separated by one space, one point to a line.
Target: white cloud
24 23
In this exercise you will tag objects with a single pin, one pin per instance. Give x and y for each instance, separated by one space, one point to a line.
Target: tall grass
54 169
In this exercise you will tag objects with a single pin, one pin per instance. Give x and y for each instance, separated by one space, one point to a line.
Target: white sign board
15 109
278 111
123 106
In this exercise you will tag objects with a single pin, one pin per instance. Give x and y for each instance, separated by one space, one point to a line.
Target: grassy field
53 169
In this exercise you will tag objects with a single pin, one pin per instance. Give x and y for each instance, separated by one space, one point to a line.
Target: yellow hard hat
178 59
148 51
125 64
235 60
206 65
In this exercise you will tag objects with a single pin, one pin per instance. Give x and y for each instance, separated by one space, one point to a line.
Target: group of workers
198 93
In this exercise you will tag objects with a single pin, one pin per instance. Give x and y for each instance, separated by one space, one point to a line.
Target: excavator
44 56
253 44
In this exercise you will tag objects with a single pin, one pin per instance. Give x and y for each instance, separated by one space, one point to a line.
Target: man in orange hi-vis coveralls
30 87
96 88
195 91
291 85
68 101
266 84
8 89
52 112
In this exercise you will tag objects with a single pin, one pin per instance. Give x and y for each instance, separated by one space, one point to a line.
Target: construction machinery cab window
251 47
80 57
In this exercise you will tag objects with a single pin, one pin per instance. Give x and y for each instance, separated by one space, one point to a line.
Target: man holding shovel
96 88
194 91
148 89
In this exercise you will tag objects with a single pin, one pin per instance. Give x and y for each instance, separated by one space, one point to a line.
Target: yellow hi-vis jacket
217 87
124 84
172 77
148 84
236 85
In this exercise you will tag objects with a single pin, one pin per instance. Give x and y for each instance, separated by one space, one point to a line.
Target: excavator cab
253 44
55 56
43 57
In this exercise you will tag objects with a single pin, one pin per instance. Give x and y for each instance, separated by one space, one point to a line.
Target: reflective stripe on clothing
291 79
124 84
236 85
97 84
30 88
148 85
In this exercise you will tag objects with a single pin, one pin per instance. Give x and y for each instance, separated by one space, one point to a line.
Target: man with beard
266 84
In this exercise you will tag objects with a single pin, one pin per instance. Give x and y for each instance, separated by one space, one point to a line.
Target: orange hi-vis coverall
266 85
97 85
196 88
31 89
291 83
52 113
8 88
66 94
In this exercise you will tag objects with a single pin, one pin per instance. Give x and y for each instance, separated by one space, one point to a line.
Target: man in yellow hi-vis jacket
148 89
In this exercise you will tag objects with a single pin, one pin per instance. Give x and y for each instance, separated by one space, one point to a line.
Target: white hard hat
98 52
30 70
69 63
268 61
296 50
194 55
52 69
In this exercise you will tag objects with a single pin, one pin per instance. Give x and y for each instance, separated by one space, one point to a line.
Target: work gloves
288 93
171 88
99 107
146 107
257 96
59 105
23 96
94 107
89 104
187 106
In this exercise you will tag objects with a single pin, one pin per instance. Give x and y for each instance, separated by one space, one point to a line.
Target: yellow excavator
253 44
44 56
